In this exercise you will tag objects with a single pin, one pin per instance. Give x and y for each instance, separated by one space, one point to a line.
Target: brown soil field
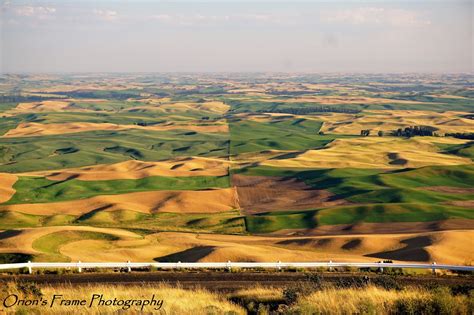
38 129
450 189
462 203
6 186
265 193
134 169
181 201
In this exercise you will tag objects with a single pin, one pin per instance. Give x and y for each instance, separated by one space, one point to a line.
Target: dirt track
222 281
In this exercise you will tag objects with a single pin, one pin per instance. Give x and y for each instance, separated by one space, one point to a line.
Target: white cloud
196 19
161 17
106 15
375 15
35 11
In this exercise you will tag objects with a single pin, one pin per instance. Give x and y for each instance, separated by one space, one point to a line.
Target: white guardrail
226 265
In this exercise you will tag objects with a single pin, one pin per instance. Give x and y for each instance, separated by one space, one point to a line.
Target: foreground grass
175 299
309 299
374 300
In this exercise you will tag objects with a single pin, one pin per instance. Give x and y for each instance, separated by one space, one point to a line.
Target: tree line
312 109
459 135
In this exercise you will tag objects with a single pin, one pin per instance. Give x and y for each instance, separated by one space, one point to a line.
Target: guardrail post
229 265
129 268
380 268
79 268
30 269
329 265
178 265
433 270
279 265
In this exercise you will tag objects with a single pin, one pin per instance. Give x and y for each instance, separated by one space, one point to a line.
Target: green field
103 147
376 213
288 134
266 113
374 186
39 189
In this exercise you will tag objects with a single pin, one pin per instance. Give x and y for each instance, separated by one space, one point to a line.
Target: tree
380 133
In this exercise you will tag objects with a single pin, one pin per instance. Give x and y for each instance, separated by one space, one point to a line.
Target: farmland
242 167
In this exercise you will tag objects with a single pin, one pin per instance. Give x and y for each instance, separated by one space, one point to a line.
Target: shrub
387 282
291 295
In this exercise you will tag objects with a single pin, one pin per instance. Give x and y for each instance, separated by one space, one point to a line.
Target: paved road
220 281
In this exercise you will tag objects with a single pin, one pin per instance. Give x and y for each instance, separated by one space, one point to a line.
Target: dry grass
374 300
327 300
175 300
260 292
134 169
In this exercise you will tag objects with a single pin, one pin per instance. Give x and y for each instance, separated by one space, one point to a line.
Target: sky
236 36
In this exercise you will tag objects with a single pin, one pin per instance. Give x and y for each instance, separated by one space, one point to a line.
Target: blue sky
236 36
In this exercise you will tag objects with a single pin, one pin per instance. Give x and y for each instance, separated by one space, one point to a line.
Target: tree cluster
414 131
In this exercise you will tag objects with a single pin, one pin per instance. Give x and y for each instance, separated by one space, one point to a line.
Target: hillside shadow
189 255
413 251
9 233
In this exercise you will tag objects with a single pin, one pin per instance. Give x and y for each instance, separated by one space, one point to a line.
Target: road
220 281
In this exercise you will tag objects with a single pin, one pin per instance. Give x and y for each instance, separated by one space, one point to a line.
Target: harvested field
370 152
383 120
212 107
37 129
203 201
44 106
265 193
23 240
135 169
6 186
442 247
